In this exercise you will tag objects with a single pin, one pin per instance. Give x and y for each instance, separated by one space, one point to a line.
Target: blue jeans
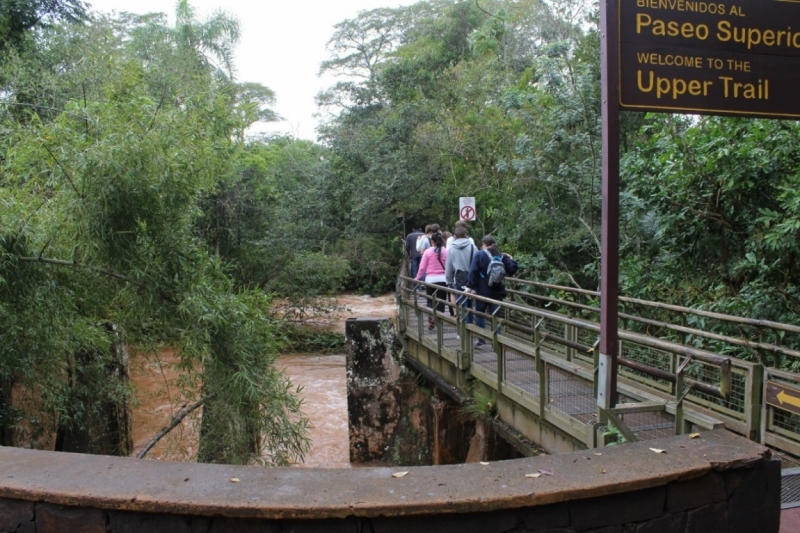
414 266
467 303
481 306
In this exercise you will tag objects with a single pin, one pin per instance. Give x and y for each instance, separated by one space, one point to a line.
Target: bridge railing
762 352
546 362
767 342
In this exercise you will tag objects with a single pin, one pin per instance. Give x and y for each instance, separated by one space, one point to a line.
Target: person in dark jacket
477 282
413 255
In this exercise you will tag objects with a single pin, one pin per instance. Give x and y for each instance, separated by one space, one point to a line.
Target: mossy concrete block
374 396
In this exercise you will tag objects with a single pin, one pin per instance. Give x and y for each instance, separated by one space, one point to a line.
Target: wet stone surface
632 481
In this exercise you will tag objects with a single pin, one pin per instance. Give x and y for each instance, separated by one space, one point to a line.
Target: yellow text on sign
674 87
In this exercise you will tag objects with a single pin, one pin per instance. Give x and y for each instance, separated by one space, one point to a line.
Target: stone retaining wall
715 483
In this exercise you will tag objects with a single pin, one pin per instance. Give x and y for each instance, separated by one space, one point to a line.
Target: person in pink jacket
431 270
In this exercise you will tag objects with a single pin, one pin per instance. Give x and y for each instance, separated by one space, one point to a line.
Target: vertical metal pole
609 266
498 350
679 386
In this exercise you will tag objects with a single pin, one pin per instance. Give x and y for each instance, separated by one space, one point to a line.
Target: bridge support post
374 388
498 350
542 371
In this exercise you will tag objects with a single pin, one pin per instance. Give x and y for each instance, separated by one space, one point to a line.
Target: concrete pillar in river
374 391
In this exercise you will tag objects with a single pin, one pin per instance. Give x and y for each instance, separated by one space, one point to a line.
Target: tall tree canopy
500 100
114 133
18 17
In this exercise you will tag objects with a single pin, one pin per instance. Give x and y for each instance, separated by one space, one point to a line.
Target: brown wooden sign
728 57
783 396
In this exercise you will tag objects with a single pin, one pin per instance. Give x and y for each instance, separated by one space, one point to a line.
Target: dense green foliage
493 100
19 17
114 133
135 210
500 100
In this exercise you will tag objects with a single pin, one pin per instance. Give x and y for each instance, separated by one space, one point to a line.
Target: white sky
282 44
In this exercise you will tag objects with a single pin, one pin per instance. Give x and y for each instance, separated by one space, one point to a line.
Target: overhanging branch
177 419
103 271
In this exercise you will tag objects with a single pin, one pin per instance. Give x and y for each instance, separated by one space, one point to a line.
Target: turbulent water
324 395
325 402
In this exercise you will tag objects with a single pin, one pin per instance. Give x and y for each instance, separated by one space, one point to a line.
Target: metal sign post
729 57
609 262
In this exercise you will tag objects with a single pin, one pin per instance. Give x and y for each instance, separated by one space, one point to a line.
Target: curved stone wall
717 482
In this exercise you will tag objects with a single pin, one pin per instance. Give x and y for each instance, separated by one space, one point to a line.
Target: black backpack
462 276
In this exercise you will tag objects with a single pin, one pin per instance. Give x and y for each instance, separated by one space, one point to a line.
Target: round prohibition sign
467 212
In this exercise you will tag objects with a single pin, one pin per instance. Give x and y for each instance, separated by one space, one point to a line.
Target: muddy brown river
324 394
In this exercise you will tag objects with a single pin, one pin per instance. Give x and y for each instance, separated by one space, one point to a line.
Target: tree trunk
228 437
6 422
104 426
210 448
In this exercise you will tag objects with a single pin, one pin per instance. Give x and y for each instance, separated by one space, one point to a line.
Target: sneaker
479 342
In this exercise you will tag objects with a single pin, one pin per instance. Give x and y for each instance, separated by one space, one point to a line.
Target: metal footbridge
681 370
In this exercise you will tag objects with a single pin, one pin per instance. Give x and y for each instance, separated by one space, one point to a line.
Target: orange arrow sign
786 398
783 396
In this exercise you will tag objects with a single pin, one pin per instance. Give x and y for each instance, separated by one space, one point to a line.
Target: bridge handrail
509 330
670 307
678 349
735 341
721 362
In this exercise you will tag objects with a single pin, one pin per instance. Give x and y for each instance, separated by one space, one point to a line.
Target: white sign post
466 208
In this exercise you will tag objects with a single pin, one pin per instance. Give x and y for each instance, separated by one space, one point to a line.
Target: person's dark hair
462 223
428 228
446 235
438 241
461 232
491 245
435 228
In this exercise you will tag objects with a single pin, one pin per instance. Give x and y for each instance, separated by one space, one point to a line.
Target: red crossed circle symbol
467 212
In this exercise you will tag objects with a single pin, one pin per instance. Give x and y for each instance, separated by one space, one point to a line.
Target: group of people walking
458 263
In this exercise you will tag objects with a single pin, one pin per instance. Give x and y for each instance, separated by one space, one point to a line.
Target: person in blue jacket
478 283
